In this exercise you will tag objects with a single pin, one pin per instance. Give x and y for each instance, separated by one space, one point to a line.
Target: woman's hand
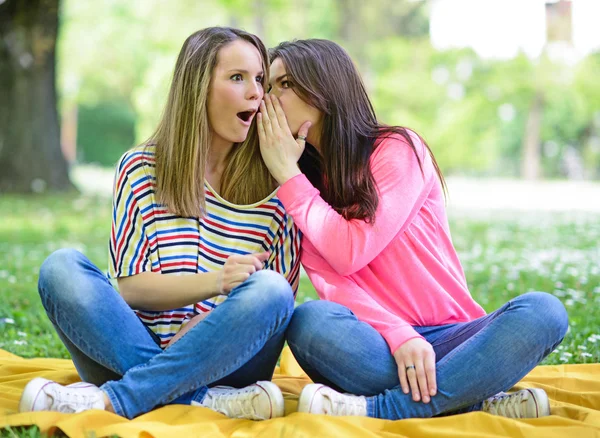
279 149
416 369
237 269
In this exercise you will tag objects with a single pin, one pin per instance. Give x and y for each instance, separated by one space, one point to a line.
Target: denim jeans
237 344
474 360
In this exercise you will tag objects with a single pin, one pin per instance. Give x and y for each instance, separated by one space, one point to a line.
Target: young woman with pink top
396 333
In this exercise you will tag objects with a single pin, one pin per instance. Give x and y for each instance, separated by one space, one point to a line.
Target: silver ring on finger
410 367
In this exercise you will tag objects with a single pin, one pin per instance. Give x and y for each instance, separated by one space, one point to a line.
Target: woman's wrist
209 284
286 174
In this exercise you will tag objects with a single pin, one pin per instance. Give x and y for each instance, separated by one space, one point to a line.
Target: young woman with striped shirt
369 201
205 257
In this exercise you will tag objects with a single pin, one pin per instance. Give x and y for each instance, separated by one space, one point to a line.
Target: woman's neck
216 162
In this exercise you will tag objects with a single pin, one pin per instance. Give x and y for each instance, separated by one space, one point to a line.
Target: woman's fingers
261 129
255 260
403 379
268 100
422 379
281 118
266 120
430 371
411 375
303 133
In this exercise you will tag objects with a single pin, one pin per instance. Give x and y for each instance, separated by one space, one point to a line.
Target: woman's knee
311 320
545 312
267 289
58 271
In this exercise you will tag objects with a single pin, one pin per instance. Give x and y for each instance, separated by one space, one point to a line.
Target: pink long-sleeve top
398 272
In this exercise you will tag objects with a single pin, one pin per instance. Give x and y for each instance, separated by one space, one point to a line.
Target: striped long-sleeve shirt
146 237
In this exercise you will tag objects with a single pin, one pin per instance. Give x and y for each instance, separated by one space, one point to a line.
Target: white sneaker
260 401
321 399
528 403
45 395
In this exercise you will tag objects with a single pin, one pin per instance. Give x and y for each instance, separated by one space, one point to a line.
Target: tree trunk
531 161
30 152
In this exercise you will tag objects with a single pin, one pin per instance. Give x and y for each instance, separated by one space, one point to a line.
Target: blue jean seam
445 341
460 347
79 341
116 405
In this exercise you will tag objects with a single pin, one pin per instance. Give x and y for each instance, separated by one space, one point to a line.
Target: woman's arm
349 245
156 292
403 182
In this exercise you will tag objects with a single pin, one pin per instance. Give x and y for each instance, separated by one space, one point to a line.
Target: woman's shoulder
137 159
396 144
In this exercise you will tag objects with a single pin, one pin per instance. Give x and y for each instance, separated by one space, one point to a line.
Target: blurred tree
30 152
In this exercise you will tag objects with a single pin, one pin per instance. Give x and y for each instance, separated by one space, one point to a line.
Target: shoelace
236 404
71 402
506 405
346 405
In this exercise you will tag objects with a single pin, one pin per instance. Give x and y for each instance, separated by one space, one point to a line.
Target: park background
506 94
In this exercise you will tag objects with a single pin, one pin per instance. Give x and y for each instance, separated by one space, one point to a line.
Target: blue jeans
237 344
474 360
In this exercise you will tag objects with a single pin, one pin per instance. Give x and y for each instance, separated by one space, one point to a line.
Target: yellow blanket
574 391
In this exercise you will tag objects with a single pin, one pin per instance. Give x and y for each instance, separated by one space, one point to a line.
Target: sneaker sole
275 396
542 404
31 392
306 397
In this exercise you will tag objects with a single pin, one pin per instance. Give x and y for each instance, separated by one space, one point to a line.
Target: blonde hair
183 135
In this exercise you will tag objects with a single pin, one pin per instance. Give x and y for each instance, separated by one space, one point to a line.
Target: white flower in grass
569 302
12 279
582 347
20 342
7 320
23 334
586 355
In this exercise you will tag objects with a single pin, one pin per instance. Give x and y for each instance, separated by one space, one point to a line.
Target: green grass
503 256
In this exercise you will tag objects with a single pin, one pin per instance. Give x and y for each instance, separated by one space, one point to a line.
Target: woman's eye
259 79
286 84
236 77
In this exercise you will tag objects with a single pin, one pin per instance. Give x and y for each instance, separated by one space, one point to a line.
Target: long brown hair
324 76
183 135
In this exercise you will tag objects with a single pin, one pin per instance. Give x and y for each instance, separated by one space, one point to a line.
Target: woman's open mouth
246 116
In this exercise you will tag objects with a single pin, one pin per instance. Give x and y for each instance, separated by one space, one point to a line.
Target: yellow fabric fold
574 391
